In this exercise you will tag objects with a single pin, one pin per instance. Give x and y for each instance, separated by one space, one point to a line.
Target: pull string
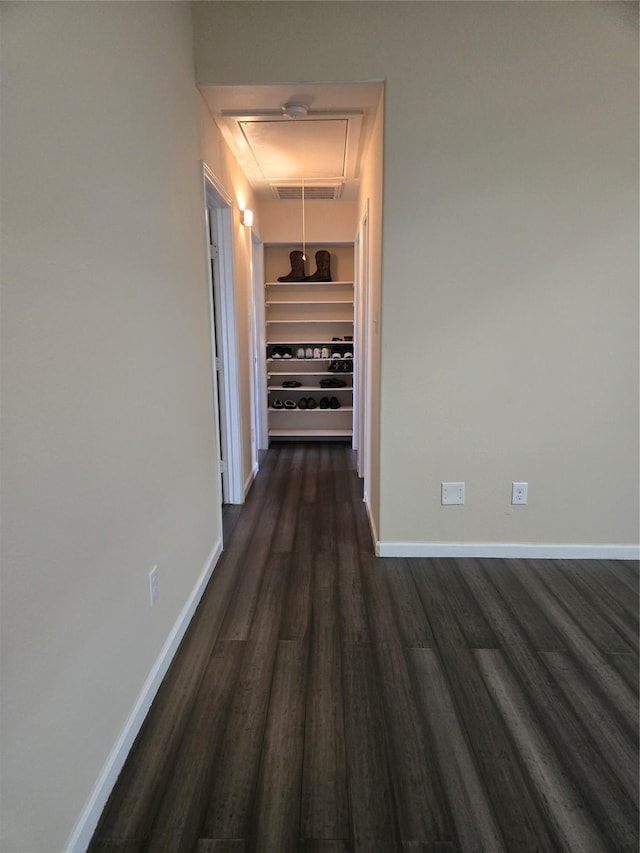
304 250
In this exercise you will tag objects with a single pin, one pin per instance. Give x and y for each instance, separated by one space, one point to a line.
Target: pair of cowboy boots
323 267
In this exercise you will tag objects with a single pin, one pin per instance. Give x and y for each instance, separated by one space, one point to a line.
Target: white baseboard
507 550
88 820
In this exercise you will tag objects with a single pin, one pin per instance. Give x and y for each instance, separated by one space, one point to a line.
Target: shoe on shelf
308 353
311 403
290 404
276 352
323 267
278 404
291 383
300 352
286 352
334 403
317 352
302 403
336 339
297 272
332 383
325 353
347 354
324 403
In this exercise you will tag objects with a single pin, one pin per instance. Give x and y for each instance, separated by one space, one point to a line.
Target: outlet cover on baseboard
452 493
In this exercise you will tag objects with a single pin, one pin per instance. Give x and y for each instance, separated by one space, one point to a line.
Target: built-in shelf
314 320
317 284
317 409
295 312
309 302
305 433
325 391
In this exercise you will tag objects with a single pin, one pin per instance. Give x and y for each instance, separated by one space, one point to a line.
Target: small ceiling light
246 217
293 110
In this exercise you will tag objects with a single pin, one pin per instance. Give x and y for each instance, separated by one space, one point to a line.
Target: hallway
325 701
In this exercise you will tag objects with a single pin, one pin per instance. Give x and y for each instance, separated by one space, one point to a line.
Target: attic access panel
315 148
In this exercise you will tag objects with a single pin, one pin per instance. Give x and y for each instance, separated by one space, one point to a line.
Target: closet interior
309 353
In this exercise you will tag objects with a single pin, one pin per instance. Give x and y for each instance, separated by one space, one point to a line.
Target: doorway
217 216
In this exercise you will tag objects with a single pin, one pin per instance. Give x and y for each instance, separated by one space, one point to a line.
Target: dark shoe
311 403
334 403
332 383
324 403
278 404
297 268
302 403
291 383
286 352
276 352
323 264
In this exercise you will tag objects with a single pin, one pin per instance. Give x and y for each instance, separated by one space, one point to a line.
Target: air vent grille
293 192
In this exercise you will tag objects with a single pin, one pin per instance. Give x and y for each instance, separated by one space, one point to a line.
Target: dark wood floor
325 701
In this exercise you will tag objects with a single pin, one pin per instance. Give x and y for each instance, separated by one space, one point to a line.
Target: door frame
259 343
363 367
223 330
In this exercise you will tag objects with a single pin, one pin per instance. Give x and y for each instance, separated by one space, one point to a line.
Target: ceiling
321 150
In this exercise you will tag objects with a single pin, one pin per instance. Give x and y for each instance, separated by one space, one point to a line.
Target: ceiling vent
312 192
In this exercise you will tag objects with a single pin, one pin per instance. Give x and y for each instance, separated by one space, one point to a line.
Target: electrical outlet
452 493
519 493
153 585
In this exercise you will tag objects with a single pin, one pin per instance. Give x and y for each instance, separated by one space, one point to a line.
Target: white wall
510 249
108 463
325 221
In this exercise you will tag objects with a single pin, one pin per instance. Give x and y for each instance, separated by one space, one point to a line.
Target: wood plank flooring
324 700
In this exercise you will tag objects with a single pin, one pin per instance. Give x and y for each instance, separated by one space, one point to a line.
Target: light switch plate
452 493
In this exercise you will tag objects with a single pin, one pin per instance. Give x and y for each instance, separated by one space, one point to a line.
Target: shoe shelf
305 433
303 342
315 289
309 320
308 302
307 387
311 362
280 361
308 314
316 411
